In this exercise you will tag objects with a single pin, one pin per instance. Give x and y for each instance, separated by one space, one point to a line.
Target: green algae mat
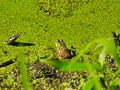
41 23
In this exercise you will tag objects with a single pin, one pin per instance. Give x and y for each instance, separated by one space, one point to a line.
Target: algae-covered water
42 22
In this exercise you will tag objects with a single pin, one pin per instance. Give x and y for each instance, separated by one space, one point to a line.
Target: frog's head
60 43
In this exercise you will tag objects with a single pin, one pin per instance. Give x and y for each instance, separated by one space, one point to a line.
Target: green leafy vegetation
23 71
93 78
41 23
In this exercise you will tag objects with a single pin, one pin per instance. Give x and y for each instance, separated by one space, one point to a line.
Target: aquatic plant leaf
102 56
89 85
115 82
93 83
110 47
76 66
23 71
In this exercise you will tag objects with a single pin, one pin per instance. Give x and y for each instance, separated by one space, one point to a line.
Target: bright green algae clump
43 22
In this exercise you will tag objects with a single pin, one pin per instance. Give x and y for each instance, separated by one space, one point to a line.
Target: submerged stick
12 38
6 63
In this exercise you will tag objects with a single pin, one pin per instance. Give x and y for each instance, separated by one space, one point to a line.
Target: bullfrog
62 52
12 38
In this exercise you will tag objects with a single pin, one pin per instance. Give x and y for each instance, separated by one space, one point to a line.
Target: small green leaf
115 82
110 47
89 85
23 71
68 66
102 56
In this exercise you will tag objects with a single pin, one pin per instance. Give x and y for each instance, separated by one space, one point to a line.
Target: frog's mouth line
64 56
21 44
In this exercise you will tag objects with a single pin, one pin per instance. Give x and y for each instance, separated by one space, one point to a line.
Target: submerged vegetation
26 63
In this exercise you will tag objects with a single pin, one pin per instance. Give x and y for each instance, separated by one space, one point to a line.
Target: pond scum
77 22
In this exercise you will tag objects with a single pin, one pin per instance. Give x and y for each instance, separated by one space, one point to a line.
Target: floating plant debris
12 38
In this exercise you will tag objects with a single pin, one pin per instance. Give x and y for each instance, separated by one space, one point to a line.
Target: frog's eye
61 40
58 40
